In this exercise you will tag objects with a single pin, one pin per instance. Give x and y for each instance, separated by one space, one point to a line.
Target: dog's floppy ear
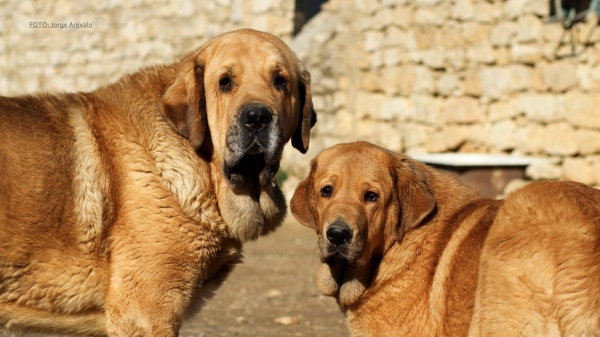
183 104
415 198
308 117
303 200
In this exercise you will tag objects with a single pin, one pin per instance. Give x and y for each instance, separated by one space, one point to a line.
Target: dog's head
238 100
360 199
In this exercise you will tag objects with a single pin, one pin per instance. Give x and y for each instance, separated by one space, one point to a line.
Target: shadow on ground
276 280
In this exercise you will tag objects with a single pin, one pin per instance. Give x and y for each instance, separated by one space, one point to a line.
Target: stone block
526 53
543 170
578 169
450 37
530 138
429 16
588 140
503 33
447 84
502 136
423 81
484 12
455 58
473 83
368 105
395 37
345 122
529 29
515 8
426 109
421 38
434 59
522 77
582 109
414 135
403 16
560 139
588 77
560 76
481 54
372 41
463 10
475 32
449 138
383 18
539 107
496 82
503 110
396 108
389 136
393 56
462 110
371 82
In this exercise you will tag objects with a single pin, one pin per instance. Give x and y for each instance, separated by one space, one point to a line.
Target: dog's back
40 256
540 270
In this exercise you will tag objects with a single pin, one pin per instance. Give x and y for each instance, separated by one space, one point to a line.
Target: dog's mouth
335 260
251 170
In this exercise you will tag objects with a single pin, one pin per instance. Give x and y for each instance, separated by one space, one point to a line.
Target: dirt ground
276 280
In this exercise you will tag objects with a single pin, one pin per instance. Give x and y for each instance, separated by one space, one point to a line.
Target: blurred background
508 90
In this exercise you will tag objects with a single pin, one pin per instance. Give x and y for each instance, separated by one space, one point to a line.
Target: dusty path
275 280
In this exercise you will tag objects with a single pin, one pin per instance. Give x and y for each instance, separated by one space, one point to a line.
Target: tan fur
527 266
115 215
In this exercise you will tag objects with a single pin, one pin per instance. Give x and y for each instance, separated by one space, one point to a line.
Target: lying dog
409 251
122 208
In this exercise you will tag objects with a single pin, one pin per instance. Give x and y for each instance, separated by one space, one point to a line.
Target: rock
426 109
578 169
560 139
287 320
368 104
539 107
396 108
448 139
484 12
414 135
560 76
475 32
447 84
372 41
503 33
403 16
503 110
241 319
522 77
273 293
529 29
462 110
463 10
582 109
423 81
481 54
394 37
530 138
543 170
515 8
496 82
588 140
526 53
502 135
473 83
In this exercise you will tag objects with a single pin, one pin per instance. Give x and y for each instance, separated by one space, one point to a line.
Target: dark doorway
305 10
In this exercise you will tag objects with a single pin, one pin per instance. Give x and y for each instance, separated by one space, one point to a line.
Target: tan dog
409 251
121 209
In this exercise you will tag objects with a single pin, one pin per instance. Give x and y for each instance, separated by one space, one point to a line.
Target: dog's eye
280 82
225 84
326 191
370 196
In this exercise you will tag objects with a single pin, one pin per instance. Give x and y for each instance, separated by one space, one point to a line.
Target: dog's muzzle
339 236
255 143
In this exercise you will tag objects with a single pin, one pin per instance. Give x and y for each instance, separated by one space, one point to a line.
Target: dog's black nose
256 116
339 233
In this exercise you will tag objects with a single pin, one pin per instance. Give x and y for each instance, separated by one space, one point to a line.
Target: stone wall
419 76
125 35
428 76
